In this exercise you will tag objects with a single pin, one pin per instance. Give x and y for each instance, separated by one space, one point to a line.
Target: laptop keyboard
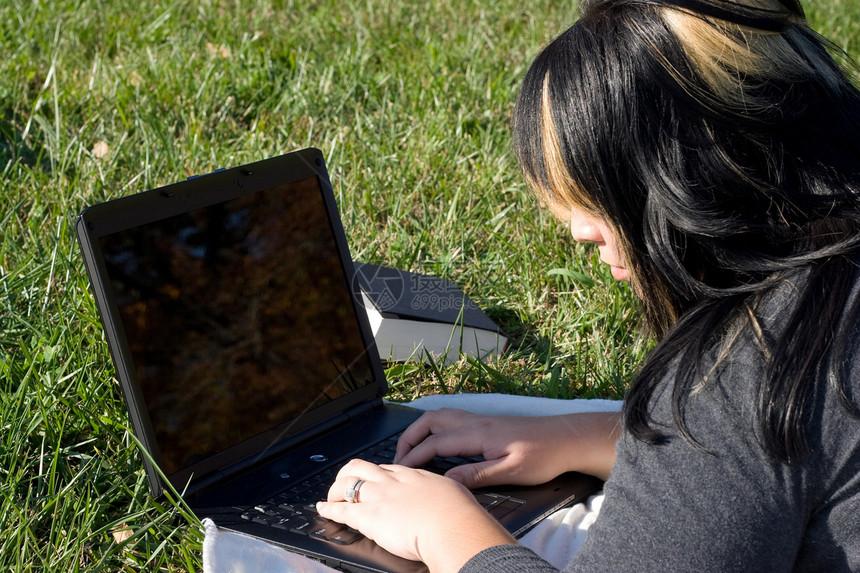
295 509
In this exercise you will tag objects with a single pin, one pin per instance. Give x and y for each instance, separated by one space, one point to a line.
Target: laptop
246 359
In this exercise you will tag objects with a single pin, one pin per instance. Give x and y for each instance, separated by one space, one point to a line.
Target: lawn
410 104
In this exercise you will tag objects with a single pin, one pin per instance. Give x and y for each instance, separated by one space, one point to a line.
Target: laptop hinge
363 408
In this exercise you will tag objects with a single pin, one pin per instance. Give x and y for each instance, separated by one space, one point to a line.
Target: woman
711 150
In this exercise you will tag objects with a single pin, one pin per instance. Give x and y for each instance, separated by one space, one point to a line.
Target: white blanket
556 538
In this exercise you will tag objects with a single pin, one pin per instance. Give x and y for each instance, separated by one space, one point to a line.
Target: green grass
410 104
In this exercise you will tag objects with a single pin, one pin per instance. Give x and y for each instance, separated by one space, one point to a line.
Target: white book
416 317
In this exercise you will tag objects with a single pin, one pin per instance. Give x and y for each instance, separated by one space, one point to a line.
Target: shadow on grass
531 365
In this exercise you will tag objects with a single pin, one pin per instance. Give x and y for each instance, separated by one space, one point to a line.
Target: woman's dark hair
721 142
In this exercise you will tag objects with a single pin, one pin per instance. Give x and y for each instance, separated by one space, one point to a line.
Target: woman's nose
585 229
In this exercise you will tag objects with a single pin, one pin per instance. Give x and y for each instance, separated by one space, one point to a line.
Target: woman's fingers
349 474
447 444
409 512
429 424
355 495
482 474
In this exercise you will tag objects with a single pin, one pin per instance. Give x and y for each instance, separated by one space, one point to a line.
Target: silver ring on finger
352 491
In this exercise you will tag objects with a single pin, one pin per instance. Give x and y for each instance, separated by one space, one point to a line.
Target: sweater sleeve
507 558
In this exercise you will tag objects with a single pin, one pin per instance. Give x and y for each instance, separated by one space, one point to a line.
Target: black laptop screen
238 318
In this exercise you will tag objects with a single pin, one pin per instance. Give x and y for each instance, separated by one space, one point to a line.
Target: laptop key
345 536
301 524
263 519
325 529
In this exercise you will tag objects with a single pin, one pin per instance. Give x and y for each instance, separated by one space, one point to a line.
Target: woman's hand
413 513
517 450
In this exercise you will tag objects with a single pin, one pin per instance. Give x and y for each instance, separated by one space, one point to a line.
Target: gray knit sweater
672 507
